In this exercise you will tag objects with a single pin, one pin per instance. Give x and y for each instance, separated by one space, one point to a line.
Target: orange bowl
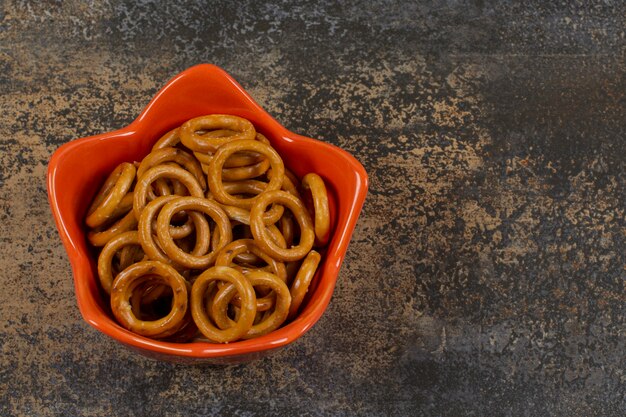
77 169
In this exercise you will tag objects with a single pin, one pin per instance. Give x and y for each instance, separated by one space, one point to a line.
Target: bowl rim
80 263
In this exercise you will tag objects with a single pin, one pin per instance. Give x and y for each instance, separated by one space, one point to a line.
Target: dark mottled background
487 272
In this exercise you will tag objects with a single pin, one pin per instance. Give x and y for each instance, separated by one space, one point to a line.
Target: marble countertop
487 272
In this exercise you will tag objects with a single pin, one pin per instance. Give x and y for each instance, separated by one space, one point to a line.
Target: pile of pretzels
209 237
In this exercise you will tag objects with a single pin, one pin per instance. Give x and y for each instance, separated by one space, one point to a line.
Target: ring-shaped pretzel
301 215
242 215
315 183
208 207
159 187
125 205
288 184
148 293
198 307
244 233
189 136
224 152
301 283
245 172
145 295
129 255
105 259
170 139
177 232
287 229
217 305
240 159
253 187
272 322
170 154
228 254
147 227
133 276
249 258
292 270
111 194
163 171
273 232
126 223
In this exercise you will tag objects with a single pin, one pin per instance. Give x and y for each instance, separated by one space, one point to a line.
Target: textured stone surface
487 272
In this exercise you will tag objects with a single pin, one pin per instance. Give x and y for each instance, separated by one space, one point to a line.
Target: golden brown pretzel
129 255
315 183
126 223
147 228
272 322
125 205
251 187
245 172
287 229
111 194
189 136
133 276
242 215
208 207
240 159
105 260
301 283
224 152
275 235
301 215
260 280
150 294
158 188
292 270
288 184
228 254
163 171
146 295
171 138
198 307
178 156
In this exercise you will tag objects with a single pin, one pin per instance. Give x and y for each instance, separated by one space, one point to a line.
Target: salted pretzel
125 224
178 156
301 215
244 289
155 272
111 194
208 207
148 229
105 260
207 142
302 281
163 171
315 184
276 317
228 255
169 139
208 238
224 152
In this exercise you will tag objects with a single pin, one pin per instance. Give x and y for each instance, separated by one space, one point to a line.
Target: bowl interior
78 168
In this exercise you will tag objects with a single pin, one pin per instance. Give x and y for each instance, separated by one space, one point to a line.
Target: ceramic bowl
77 169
